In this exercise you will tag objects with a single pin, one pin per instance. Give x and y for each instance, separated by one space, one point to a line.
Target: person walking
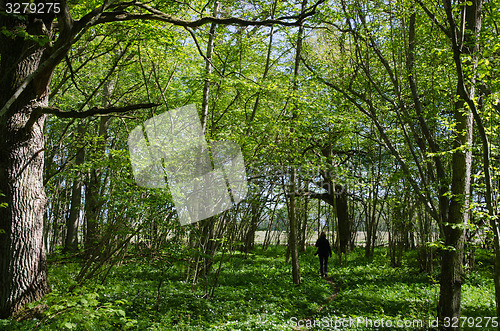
324 251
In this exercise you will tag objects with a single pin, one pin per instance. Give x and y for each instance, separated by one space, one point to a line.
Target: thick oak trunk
23 266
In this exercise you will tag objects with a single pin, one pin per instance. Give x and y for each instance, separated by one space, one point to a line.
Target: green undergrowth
255 292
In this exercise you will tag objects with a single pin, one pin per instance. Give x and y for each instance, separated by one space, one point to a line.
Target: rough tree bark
21 170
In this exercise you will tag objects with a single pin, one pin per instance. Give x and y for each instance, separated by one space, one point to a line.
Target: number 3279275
472 322
32 8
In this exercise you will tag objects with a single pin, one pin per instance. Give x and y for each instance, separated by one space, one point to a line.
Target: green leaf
69 325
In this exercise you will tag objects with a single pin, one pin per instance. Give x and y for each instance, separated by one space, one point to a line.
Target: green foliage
254 292
21 33
278 120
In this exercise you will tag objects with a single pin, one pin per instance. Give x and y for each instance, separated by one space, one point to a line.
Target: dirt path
305 320
333 296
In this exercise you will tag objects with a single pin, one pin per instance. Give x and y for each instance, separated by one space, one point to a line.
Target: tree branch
92 111
433 18
60 50
354 98
72 31
120 14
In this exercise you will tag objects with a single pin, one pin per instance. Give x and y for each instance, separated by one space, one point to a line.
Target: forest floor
255 292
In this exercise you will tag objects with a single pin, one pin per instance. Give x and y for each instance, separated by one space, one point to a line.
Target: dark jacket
324 248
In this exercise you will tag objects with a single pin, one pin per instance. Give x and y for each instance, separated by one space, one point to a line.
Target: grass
255 292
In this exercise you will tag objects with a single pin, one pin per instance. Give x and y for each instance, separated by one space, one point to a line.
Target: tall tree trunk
93 192
267 237
303 227
463 41
344 224
205 228
467 42
249 236
452 255
23 265
318 219
208 70
71 242
292 212
292 235
92 210
93 184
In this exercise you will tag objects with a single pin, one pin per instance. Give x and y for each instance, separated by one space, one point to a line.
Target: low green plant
254 292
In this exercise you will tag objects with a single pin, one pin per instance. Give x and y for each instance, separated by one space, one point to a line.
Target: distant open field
383 237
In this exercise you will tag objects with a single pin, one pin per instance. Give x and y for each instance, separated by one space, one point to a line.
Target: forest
171 164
